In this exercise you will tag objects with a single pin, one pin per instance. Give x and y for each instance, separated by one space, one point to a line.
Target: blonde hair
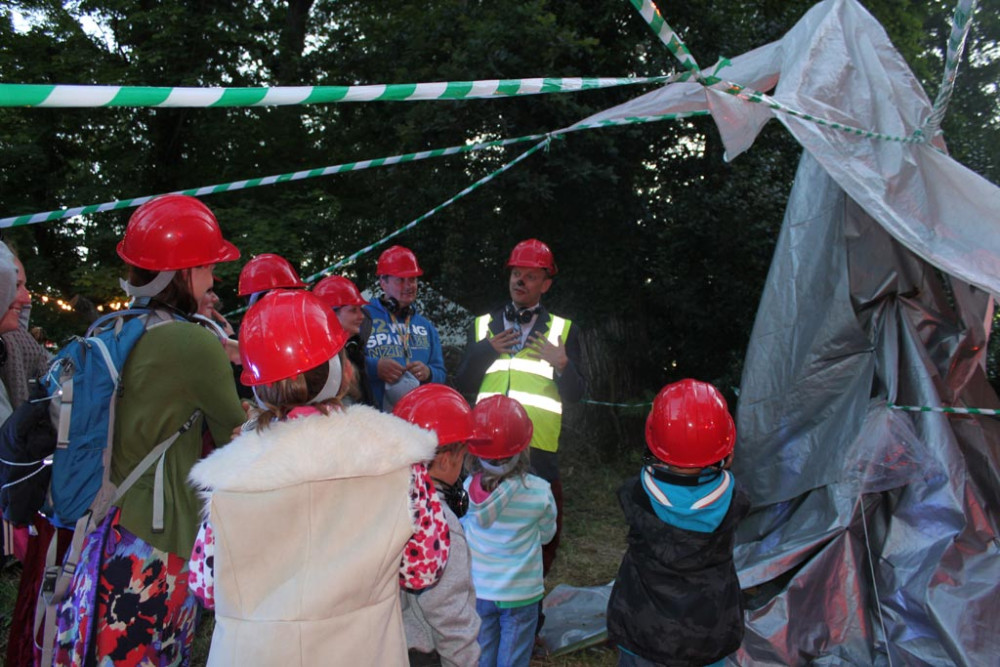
283 396
491 480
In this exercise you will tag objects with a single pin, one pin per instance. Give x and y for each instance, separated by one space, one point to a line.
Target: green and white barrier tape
651 15
49 216
961 23
951 411
757 97
309 280
410 225
58 95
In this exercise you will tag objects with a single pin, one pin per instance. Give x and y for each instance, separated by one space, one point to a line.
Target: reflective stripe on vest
528 400
529 381
533 366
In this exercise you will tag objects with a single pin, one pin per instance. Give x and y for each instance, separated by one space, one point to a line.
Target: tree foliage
663 247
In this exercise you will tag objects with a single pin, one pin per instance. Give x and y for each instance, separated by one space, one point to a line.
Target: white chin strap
329 390
501 469
152 288
260 404
333 378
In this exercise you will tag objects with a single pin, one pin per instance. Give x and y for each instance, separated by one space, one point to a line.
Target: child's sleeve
201 575
547 523
426 552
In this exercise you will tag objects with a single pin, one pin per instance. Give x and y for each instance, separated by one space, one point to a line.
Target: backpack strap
158 452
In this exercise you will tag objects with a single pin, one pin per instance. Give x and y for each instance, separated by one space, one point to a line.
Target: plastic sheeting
838 64
575 618
874 538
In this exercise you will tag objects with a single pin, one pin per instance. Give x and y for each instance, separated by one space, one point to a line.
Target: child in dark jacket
677 600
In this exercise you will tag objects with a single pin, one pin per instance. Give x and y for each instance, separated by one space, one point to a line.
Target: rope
871 569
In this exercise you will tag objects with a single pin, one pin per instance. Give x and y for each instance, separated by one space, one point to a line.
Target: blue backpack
84 381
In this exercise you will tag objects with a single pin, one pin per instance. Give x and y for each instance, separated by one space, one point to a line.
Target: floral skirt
129 604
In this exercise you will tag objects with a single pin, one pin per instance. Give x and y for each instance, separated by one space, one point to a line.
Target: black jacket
677 598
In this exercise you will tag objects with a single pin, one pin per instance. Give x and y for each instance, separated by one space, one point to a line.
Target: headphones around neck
521 315
456 497
392 305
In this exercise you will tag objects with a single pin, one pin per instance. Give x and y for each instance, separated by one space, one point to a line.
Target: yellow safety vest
530 381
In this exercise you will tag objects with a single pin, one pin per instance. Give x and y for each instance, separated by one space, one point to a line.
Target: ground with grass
592 545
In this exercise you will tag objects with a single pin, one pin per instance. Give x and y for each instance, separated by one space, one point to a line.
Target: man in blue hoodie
404 348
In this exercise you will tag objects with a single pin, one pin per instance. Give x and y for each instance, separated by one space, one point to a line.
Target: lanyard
404 338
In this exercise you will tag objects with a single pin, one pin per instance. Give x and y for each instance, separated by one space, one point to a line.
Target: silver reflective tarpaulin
873 539
874 531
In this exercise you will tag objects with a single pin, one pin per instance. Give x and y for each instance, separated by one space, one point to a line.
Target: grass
592 544
593 539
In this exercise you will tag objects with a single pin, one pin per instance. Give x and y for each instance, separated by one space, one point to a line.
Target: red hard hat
174 232
533 254
337 291
267 271
437 408
398 261
503 428
690 426
287 333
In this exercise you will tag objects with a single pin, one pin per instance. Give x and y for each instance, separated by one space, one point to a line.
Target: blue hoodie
385 341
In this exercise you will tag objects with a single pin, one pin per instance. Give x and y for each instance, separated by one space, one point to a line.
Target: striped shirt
505 532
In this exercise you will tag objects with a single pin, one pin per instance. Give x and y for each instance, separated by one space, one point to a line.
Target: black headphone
392 305
660 472
522 315
455 496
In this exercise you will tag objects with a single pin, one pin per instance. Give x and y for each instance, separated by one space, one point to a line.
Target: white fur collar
348 443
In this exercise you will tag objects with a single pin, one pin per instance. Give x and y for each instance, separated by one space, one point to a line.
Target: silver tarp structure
873 538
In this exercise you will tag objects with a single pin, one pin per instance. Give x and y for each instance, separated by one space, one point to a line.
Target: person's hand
420 370
251 412
220 319
232 347
539 347
389 370
504 342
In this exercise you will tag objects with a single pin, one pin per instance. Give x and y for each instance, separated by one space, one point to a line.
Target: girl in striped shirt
511 515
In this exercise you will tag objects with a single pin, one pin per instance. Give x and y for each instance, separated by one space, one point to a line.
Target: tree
660 259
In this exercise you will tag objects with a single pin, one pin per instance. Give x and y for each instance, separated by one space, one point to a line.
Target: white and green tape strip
757 97
58 95
963 13
413 223
961 23
50 216
951 411
651 15
544 144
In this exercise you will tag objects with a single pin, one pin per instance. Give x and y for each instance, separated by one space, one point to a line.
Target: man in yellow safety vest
527 353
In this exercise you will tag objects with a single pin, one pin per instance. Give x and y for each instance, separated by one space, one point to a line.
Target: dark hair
176 295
